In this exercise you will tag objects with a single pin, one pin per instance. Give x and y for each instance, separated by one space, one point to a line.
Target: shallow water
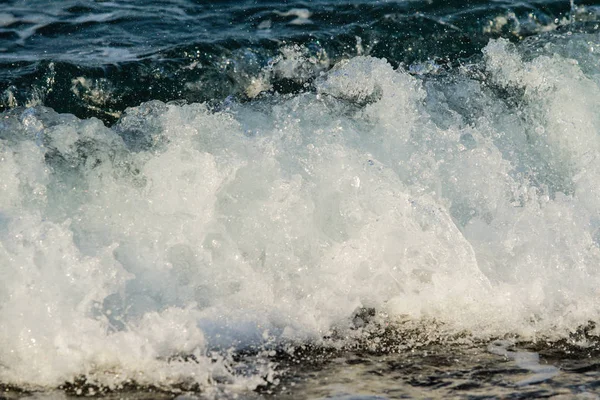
441 373
458 370
316 200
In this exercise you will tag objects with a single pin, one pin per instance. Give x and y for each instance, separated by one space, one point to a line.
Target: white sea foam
302 15
7 19
183 230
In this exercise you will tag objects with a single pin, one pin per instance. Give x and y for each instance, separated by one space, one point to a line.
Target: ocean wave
153 250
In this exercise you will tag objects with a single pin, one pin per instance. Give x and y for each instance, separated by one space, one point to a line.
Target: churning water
322 199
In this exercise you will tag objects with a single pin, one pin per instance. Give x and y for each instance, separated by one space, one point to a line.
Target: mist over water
461 195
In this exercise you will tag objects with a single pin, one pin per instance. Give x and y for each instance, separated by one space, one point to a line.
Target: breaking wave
153 250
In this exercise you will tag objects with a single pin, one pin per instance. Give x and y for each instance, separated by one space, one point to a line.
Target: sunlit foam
126 252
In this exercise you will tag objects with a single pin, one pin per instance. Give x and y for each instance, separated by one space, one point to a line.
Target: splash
143 252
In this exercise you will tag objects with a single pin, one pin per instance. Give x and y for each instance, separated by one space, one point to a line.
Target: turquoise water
299 200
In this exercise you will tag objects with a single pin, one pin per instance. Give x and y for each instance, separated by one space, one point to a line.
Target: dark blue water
132 51
300 199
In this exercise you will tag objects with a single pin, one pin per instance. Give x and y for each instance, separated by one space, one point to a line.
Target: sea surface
300 199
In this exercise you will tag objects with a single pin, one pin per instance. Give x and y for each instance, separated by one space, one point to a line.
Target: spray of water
136 252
